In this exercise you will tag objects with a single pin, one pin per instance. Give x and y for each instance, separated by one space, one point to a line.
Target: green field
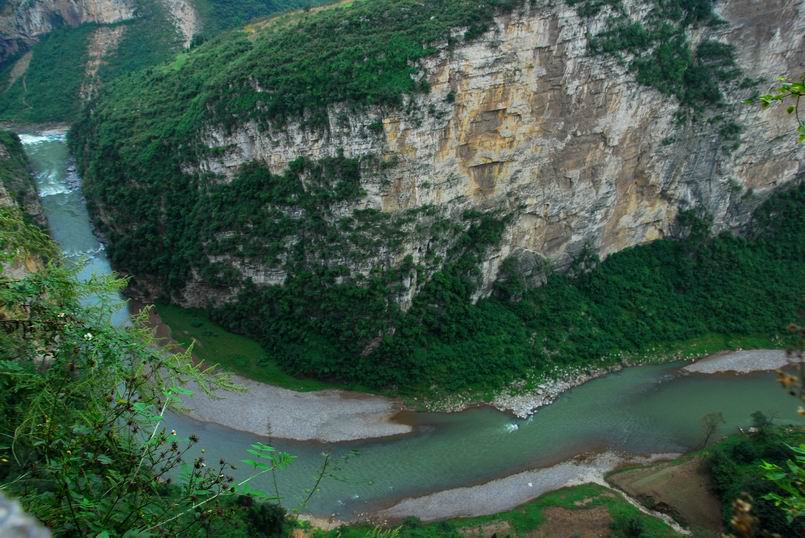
239 354
530 517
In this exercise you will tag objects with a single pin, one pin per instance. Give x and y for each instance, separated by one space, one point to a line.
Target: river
644 410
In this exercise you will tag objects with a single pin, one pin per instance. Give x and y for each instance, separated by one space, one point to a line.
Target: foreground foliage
740 467
83 443
788 93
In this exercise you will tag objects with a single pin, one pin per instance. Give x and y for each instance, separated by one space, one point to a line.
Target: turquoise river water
645 410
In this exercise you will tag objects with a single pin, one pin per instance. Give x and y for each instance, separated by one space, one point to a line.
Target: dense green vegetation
332 317
291 60
151 38
288 66
332 322
658 50
705 293
48 90
293 70
284 66
736 471
627 521
82 442
14 176
639 302
215 345
147 40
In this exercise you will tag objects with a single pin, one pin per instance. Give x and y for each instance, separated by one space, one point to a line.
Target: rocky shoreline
334 416
518 400
522 403
339 416
508 492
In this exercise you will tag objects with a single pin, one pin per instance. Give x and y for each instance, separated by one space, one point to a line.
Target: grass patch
529 517
239 354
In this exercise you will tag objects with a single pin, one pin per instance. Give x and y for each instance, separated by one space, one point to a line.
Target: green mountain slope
170 223
48 91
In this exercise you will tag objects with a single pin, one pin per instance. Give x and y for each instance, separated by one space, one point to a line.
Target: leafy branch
788 91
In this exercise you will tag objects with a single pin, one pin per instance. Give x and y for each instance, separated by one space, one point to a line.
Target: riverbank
515 490
524 402
740 362
335 415
329 416
586 510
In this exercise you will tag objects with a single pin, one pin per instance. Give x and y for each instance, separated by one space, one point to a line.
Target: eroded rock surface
526 121
22 22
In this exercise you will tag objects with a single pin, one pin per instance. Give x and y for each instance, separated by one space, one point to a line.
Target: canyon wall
22 22
525 120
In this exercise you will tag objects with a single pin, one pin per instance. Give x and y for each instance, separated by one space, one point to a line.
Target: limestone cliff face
526 120
23 21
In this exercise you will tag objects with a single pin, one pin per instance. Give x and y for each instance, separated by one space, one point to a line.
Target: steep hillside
346 203
23 245
16 184
54 55
23 22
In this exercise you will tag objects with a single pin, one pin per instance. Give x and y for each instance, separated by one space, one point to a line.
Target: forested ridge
642 302
137 143
48 90
84 442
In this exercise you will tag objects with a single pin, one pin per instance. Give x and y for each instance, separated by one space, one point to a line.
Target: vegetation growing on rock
642 301
48 91
331 305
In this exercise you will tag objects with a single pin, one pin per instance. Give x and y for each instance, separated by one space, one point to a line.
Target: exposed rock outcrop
18 200
22 22
526 120
103 42
184 17
15 523
17 187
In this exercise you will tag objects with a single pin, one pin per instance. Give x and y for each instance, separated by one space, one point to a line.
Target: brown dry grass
678 488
